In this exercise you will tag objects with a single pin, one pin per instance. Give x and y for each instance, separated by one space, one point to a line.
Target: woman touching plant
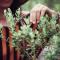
14 4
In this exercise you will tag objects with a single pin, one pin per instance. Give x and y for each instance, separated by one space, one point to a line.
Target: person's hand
38 11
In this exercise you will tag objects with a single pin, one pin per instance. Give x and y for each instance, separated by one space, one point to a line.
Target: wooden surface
7 52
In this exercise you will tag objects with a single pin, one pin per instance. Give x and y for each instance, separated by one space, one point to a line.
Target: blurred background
53 4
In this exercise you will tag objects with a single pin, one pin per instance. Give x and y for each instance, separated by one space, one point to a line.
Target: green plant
53 52
26 39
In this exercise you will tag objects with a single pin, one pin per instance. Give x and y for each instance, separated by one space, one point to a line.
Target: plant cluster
26 40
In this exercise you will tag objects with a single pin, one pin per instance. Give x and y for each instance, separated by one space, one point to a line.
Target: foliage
47 31
53 52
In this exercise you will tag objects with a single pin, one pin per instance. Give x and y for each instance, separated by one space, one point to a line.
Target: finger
38 16
43 12
33 17
48 13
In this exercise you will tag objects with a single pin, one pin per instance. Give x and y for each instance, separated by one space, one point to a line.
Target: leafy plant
26 40
53 52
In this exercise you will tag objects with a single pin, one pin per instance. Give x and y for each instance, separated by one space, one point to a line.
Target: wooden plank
4 50
0 48
18 55
10 46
